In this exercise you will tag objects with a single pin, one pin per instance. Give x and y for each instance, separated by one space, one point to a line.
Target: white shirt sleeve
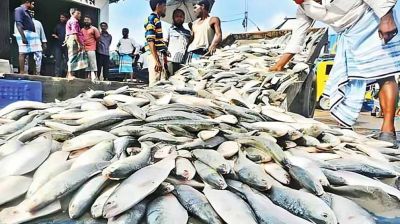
42 34
303 23
381 7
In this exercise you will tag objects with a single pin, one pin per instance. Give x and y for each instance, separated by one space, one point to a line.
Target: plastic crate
16 90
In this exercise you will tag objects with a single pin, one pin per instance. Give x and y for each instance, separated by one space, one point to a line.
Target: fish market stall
157 155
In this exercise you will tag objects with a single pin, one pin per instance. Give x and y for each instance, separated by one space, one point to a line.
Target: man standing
127 51
60 50
177 40
38 55
28 41
155 44
77 59
91 35
207 33
103 52
368 51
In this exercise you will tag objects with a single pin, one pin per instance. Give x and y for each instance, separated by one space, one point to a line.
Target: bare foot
70 77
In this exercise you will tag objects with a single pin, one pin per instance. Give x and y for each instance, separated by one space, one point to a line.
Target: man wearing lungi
155 45
28 41
127 50
77 58
368 51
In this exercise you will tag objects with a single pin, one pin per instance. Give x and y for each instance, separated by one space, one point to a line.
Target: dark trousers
103 64
61 56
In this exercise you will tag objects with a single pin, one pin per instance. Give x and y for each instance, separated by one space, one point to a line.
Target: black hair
103 23
73 10
205 3
64 14
154 3
177 11
125 29
87 16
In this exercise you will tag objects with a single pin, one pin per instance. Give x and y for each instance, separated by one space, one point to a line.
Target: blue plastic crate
16 90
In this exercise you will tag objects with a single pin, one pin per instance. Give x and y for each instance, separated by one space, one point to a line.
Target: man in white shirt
368 52
127 50
38 55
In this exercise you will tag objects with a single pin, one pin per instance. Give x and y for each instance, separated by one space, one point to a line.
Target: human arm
118 47
381 7
96 34
55 33
387 26
295 45
43 38
166 41
21 32
18 14
215 23
154 54
150 38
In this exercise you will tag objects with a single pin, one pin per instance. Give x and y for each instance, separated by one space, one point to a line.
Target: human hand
24 40
387 28
211 50
158 67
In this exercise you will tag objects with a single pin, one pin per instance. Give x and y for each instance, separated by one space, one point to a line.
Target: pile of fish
238 72
157 156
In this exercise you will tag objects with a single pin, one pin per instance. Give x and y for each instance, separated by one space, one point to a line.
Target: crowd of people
86 48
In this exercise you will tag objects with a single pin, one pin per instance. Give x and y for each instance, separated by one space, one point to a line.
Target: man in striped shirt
155 45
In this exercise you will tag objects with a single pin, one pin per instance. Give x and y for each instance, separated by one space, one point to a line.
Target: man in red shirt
91 36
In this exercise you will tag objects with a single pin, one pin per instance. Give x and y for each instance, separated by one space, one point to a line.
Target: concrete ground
366 124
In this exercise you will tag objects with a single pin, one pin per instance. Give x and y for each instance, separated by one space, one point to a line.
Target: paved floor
366 124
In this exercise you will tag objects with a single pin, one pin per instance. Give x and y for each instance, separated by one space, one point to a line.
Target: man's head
178 17
29 4
32 13
87 21
159 7
63 18
75 13
202 8
125 32
103 27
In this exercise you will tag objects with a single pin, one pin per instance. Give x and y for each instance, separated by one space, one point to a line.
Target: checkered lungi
77 60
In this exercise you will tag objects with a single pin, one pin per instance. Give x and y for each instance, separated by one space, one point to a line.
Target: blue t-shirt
23 18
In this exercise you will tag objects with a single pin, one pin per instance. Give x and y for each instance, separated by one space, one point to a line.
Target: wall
5 30
103 5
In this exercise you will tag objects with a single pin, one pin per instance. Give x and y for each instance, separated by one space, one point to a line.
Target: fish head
323 215
109 170
111 209
73 211
224 169
33 204
221 184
